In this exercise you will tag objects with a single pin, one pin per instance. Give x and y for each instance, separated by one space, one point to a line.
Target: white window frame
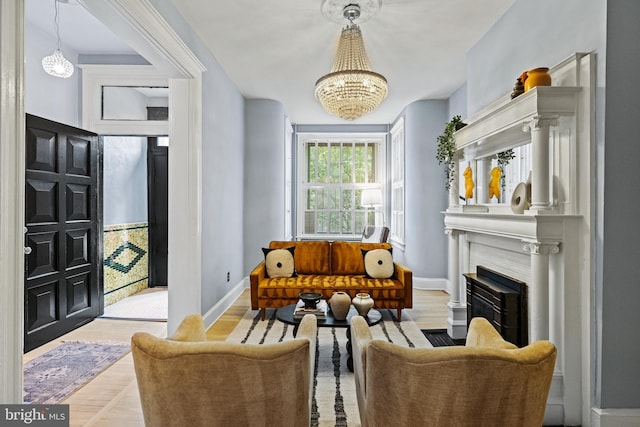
302 139
94 77
396 223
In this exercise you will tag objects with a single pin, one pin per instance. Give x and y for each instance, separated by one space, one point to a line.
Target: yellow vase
537 77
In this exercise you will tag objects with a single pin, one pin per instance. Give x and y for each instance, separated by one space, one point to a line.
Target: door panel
63 271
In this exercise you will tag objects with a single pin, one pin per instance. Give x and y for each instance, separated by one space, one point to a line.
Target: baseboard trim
427 284
612 417
223 305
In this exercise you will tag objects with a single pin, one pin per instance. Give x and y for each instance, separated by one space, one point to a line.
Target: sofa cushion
346 257
378 263
280 262
311 257
290 287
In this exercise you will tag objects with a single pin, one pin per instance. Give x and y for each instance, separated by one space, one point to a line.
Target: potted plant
447 148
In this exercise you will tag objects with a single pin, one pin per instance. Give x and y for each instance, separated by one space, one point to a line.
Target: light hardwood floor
111 399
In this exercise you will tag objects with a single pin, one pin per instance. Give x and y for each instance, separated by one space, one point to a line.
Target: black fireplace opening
500 299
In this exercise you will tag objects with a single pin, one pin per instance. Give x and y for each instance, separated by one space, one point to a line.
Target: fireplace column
457 319
540 194
538 290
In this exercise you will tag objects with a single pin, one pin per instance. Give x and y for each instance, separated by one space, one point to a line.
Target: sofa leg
399 315
263 312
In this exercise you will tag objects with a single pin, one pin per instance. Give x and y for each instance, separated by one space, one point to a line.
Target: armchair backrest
452 386
196 383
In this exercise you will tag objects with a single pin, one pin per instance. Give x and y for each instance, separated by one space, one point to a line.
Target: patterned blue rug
53 376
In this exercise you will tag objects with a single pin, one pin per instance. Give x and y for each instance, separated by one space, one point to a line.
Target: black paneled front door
63 269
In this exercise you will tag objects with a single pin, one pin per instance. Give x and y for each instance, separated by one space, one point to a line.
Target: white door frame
146 31
143 28
12 175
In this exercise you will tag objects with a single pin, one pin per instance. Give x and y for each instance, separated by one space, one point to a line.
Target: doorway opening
135 200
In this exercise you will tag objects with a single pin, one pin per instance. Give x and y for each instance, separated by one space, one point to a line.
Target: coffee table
373 317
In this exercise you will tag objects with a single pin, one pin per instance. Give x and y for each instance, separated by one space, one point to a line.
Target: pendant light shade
56 64
351 89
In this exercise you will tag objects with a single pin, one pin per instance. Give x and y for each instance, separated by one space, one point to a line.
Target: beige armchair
188 381
488 382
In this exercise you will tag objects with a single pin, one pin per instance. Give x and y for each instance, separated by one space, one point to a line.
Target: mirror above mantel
539 126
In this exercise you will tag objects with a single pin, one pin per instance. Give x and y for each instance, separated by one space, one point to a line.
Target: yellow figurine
468 183
494 183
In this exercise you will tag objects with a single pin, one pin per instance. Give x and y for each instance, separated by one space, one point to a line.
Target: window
334 169
397 183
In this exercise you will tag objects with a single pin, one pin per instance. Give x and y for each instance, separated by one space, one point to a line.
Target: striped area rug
334 396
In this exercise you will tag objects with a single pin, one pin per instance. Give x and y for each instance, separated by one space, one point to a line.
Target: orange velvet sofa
327 267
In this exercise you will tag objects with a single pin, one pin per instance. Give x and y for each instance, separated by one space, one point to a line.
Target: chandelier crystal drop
56 64
351 89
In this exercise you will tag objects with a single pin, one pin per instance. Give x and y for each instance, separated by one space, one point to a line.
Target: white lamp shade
371 197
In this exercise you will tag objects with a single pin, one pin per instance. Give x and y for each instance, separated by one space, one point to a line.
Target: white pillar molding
12 176
540 248
457 318
454 263
538 292
540 174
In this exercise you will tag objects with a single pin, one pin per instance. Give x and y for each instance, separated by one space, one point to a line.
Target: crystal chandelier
351 89
56 64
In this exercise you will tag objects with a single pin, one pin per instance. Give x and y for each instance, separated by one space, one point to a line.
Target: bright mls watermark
34 415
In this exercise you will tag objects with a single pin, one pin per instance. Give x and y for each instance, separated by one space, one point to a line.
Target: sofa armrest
255 277
405 276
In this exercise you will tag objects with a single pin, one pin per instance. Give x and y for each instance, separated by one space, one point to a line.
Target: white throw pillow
378 263
280 262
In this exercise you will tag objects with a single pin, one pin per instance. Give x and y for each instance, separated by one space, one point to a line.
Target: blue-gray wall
48 96
425 251
264 178
531 34
124 180
222 167
619 284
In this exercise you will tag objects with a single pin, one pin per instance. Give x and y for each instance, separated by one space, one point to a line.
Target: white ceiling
278 49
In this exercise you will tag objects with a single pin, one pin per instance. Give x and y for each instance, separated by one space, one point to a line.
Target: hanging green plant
447 149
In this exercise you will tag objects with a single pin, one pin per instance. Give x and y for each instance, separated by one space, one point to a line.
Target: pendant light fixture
56 64
351 89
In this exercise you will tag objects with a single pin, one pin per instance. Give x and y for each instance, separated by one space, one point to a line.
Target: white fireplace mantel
501 128
549 246
542 228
